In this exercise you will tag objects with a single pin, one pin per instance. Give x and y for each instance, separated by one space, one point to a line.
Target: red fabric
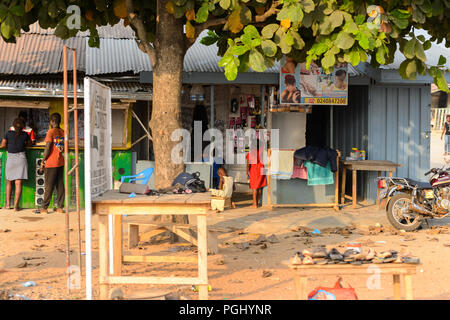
299 171
28 130
337 291
257 178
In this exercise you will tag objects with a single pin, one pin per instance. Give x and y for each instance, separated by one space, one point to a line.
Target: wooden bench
397 270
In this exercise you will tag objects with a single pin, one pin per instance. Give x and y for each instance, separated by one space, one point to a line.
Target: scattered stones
32 258
266 274
5 230
446 244
263 246
259 240
433 239
273 239
220 262
22 265
408 237
243 245
116 294
4 295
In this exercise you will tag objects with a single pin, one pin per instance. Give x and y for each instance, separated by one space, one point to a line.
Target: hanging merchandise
251 101
231 124
242 102
238 122
252 122
234 105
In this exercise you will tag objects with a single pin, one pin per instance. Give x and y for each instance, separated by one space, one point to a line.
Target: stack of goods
320 256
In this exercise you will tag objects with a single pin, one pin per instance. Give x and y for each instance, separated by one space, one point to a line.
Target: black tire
391 215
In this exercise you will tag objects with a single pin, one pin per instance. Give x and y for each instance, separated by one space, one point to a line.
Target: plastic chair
144 176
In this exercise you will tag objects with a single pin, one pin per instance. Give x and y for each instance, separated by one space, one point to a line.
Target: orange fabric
56 158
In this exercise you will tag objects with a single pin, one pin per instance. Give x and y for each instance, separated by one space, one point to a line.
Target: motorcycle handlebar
429 172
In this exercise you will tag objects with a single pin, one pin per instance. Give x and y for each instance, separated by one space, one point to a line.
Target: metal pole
77 160
66 165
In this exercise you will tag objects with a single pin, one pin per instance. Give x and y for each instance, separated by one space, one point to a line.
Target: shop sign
299 86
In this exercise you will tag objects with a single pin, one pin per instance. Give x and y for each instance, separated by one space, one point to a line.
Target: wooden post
397 287
408 287
336 192
344 177
300 287
202 257
133 235
118 245
354 189
269 189
378 191
103 255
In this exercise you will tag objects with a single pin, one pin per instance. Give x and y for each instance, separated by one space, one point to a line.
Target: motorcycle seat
419 184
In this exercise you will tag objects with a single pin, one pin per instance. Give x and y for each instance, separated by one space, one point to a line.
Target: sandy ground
32 249
234 273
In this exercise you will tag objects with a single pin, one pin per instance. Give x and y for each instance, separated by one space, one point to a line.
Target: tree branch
138 24
210 23
272 10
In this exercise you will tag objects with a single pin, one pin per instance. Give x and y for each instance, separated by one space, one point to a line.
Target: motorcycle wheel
400 216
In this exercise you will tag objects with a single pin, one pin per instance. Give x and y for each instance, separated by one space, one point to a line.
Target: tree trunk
167 82
166 113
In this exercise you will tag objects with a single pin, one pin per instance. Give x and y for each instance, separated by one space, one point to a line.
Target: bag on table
190 181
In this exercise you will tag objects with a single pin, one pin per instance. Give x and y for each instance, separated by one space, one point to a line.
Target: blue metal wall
398 130
350 130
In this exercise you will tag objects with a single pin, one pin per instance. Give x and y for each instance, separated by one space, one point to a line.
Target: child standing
255 174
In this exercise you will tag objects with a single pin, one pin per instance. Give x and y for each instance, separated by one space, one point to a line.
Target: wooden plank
378 192
103 254
118 235
160 259
397 287
336 184
202 257
133 235
354 269
408 287
146 236
300 205
354 189
154 280
148 209
344 178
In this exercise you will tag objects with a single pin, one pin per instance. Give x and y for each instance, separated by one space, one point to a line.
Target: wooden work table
399 271
364 165
119 204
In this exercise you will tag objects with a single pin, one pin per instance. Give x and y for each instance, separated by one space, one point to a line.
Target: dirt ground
32 249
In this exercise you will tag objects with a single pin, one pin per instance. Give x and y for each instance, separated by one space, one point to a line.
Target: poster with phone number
301 86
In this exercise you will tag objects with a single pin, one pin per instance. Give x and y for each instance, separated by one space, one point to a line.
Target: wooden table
117 204
364 165
397 270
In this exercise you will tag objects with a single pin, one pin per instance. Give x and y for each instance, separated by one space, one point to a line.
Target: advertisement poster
299 86
98 136
97 160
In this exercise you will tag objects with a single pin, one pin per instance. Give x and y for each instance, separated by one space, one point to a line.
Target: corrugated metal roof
116 56
39 54
118 31
54 88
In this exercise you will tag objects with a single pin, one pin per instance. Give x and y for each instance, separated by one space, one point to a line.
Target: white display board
97 157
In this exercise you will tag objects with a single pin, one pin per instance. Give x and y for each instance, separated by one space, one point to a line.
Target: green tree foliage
256 33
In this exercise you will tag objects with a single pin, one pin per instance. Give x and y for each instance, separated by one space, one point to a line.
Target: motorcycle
409 202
